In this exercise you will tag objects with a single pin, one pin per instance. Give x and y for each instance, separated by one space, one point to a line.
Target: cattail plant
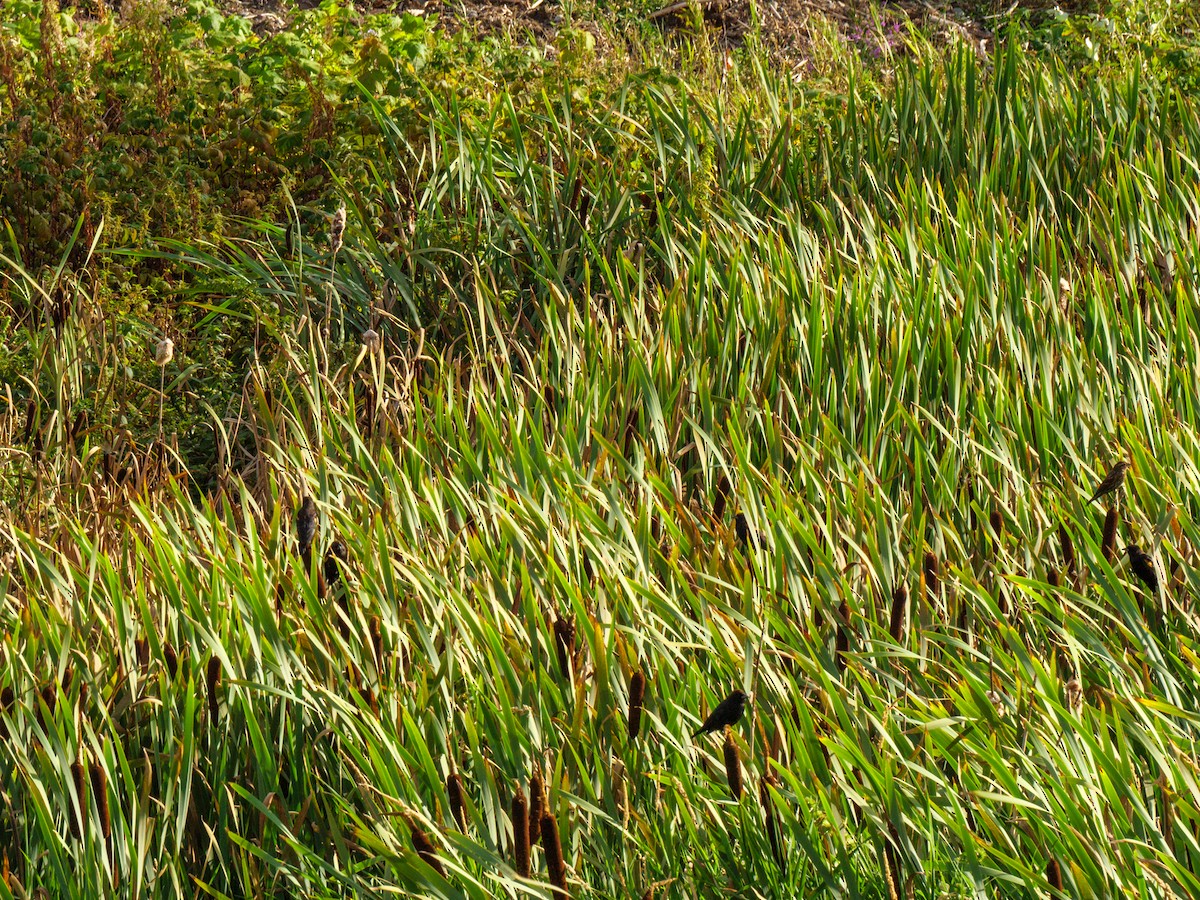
616 773
564 639
896 624
212 679
458 804
842 639
424 847
335 558
164 352
79 777
537 805
99 779
996 521
637 696
733 765
171 660
1109 543
722 495
1054 874
555 867
520 824
6 701
337 228
306 529
931 577
1052 577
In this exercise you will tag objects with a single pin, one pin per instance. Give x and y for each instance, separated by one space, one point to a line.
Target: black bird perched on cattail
1112 482
1143 567
728 712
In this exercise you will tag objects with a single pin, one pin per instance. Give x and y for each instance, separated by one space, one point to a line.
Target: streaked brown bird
728 712
1113 481
1143 567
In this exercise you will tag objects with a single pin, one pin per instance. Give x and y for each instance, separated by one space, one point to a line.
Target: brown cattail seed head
637 696
337 228
616 773
100 792
931 576
171 660
537 805
164 352
1109 543
896 625
425 849
720 499
1068 550
564 639
733 765
78 775
996 520
212 677
1052 578
458 804
1054 874
520 823
552 843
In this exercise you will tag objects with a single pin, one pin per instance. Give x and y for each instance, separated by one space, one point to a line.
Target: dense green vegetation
674 365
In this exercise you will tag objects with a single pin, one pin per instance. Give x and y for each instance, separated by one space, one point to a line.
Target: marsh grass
837 316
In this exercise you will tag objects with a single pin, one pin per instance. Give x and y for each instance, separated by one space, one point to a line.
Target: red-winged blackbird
306 525
1143 567
728 712
1112 481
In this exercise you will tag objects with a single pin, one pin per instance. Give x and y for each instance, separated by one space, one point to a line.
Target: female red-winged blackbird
1143 567
1112 481
728 712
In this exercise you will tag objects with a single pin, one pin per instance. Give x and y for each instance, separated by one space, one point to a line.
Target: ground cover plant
576 412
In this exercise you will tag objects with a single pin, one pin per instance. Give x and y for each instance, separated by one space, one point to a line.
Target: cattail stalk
1054 874
620 798
537 805
896 625
720 499
458 805
637 696
931 577
552 843
842 643
520 823
424 848
733 765
212 678
564 639
100 791
78 774
1109 544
